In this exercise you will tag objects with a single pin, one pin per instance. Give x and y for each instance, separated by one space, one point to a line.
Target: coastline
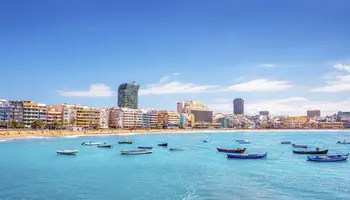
38 134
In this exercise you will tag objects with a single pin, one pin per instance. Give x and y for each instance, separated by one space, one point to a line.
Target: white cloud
175 87
268 65
295 106
339 84
95 90
342 67
261 85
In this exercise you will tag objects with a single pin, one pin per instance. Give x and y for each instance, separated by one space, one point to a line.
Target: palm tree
37 124
13 124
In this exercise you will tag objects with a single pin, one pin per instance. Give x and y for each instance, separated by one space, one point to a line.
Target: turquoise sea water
31 170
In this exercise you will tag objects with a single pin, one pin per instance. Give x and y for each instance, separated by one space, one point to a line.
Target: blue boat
337 158
247 156
243 141
286 142
144 147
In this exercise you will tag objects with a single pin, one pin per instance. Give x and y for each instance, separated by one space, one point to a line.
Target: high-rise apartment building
200 111
238 106
128 95
313 113
31 112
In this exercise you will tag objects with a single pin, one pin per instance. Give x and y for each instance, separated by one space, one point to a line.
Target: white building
128 118
153 118
104 118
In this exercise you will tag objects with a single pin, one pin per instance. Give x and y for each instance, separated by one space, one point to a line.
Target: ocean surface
31 170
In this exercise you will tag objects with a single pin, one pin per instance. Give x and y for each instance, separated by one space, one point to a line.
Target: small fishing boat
164 144
247 156
136 152
243 141
176 149
124 142
91 143
286 142
311 152
144 147
343 142
299 145
337 158
238 150
67 152
337 155
205 140
104 145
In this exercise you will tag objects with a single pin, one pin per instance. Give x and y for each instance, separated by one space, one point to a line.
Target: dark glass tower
128 95
238 106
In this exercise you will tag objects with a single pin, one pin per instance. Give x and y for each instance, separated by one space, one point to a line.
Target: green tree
74 122
37 124
97 125
13 124
3 124
19 125
57 124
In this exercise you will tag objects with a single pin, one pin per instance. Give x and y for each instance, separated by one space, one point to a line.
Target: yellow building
295 122
30 112
86 117
331 125
168 119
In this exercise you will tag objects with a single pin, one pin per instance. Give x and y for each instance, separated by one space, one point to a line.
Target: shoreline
36 134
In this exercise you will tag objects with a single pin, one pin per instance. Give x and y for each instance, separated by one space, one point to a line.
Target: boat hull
243 141
67 152
91 143
231 150
311 152
176 149
247 156
124 142
286 142
343 142
163 144
105 146
300 146
141 147
327 158
135 152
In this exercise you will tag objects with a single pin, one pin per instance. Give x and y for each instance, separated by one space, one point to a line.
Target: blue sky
283 56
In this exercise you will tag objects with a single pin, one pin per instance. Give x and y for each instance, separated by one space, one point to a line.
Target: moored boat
337 158
91 143
164 144
343 142
67 152
205 140
238 150
243 141
247 156
104 146
300 145
311 152
136 152
144 147
124 142
286 142
176 149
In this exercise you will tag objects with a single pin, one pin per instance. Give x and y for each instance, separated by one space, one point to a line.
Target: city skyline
286 62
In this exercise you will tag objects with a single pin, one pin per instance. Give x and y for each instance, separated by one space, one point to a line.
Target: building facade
16 111
104 118
146 119
4 107
42 112
31 112
53 115
127 118
153 119
264 113
313 113
168 119
128 95
238 106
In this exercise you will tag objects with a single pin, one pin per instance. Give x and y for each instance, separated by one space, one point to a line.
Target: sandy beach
17 134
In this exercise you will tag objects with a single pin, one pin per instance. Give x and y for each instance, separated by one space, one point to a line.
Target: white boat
136 152
67 152
243 141
176 149
91 143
